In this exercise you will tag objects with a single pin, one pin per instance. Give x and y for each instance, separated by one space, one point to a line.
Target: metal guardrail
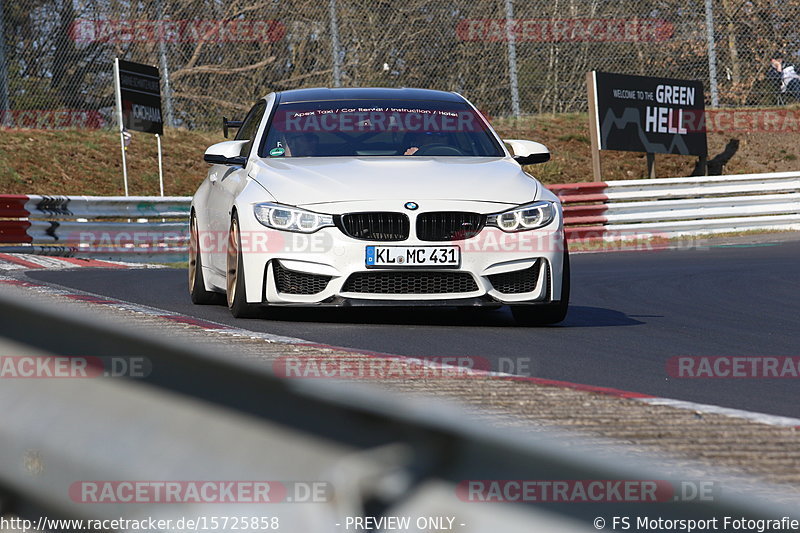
679 206
205 415
142 228
147 228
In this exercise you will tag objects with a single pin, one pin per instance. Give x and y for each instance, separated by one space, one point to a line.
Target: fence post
337 59
163 66
4 104
512 58
712 53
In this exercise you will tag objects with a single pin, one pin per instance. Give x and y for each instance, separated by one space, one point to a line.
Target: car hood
315 180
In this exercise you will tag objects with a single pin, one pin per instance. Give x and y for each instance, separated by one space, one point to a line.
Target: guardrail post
594 124
702 164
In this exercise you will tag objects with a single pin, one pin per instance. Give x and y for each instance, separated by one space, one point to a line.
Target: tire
234 278
197 287
543 315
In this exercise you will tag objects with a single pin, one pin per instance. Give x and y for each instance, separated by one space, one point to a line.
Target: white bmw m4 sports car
375 197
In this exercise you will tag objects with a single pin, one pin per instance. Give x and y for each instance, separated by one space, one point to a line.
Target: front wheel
543 315
237 300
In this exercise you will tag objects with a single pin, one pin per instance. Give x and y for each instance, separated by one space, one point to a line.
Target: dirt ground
89 162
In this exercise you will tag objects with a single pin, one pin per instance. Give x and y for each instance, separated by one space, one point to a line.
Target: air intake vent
516 282
291 282
410 283
449 225
377 226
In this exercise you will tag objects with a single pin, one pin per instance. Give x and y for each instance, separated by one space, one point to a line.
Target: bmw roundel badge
411 206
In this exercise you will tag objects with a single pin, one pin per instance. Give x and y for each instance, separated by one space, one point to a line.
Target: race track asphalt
631 312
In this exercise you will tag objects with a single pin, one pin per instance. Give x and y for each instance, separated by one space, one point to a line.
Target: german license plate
411 256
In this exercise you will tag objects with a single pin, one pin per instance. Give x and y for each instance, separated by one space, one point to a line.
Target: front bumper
328 268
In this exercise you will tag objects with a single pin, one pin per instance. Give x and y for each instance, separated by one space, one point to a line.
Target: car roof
366 93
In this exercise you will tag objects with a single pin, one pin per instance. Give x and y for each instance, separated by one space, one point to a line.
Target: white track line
761 418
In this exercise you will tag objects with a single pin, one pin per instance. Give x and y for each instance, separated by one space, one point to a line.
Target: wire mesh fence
507 56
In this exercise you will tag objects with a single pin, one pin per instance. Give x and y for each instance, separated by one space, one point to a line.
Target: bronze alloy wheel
234 278
192 253
232 262
197 285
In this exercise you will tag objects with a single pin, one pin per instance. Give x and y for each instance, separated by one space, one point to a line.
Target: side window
250 127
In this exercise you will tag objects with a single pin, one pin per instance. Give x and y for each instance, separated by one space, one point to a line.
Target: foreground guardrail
203 416
154 228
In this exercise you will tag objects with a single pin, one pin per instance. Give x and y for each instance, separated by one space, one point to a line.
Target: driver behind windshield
302 145
416 141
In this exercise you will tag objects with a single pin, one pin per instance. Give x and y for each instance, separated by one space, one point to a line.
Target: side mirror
226 153
528 152
230 124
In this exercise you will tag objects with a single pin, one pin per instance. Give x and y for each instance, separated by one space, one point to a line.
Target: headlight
526 217
286 218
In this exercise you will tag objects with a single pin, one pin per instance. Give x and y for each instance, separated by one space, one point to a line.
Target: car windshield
364 128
